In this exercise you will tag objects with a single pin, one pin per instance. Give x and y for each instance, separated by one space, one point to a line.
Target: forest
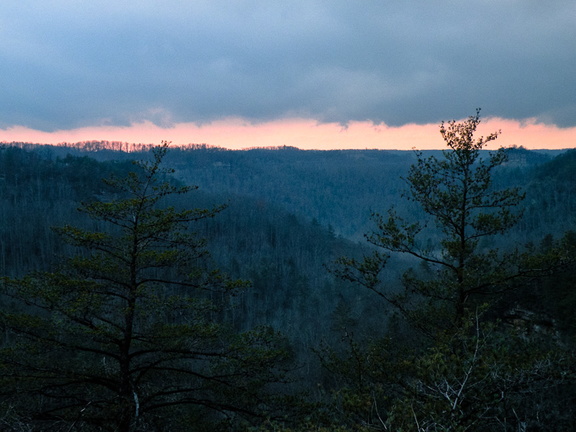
194 288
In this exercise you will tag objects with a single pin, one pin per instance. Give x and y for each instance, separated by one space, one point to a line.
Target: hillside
288 215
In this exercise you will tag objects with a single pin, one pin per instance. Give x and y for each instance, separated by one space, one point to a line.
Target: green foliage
129 334
456 366
562 168
484 377
372 382
458 196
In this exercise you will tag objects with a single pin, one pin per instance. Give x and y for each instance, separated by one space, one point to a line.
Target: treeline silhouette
289 215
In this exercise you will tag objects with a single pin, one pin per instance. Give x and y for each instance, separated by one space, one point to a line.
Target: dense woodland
352 290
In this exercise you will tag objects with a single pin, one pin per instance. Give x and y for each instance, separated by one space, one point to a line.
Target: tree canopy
453 363
130 335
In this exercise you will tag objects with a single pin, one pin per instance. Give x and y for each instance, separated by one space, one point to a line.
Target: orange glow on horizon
304 134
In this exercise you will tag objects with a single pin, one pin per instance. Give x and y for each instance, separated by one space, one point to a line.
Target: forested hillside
338 188
281 253
282 219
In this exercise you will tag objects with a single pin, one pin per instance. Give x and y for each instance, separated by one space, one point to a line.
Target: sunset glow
322 75
304 134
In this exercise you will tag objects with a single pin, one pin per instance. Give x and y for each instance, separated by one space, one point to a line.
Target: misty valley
204 289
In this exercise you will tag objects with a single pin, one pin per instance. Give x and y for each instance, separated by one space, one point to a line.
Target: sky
306 73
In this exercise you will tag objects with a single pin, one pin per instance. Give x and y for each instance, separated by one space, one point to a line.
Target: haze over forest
301 268
314 328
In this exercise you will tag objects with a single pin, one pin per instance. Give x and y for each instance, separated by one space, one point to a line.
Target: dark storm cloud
69 64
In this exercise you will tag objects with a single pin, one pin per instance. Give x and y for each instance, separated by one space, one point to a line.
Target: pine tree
129 335
457 195
454 367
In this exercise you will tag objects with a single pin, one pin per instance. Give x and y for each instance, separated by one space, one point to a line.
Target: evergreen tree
454 367
456 194
129 335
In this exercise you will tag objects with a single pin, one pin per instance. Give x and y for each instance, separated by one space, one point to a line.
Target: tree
456 367
457 195
129 334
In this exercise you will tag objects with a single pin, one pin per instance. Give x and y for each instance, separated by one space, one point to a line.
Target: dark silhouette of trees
129 334
460 272
448 364
469 338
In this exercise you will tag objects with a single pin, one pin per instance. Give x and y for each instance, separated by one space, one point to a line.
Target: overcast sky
81 65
